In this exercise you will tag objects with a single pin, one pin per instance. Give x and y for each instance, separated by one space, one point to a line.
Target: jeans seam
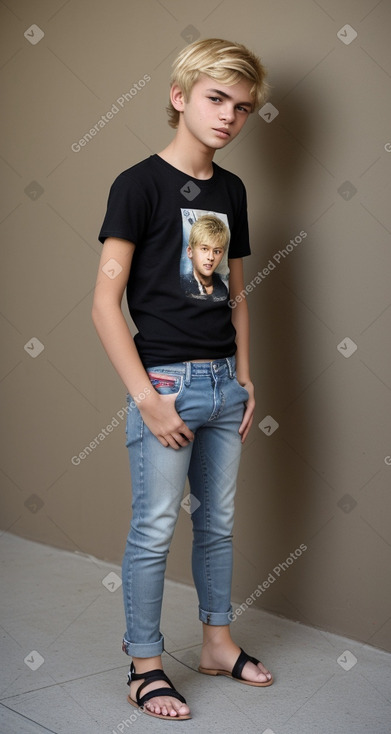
207 526
141 506
218 405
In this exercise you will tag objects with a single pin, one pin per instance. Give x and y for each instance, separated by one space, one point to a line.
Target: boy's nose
226 114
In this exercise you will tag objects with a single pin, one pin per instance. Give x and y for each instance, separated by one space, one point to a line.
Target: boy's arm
158 411
240 320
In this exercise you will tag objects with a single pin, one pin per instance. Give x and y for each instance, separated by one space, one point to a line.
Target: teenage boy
194 356
208 241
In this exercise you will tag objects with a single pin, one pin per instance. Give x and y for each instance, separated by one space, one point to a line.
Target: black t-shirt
154 205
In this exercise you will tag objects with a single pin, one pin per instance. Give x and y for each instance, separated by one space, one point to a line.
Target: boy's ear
189 252
177 98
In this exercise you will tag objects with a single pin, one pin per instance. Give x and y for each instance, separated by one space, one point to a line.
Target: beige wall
322 479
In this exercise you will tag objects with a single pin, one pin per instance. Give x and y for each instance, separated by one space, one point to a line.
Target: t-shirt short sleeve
240 239
127 211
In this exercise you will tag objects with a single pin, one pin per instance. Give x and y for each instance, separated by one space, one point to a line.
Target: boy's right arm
158 411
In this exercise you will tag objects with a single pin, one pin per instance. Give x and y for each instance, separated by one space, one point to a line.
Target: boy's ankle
142 665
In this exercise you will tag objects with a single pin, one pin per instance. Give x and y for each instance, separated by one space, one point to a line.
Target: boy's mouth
222 132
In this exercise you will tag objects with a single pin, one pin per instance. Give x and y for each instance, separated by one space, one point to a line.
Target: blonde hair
225 61
206 228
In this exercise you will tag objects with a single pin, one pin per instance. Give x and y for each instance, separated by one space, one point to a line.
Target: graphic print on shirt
204 267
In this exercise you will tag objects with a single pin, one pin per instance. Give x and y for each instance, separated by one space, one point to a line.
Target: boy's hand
159 414
249 412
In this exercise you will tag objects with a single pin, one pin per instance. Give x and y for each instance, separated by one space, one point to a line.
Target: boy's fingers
183 435
181 439
246 416
162 440
175 440
166 424
186 433
246 422
246 432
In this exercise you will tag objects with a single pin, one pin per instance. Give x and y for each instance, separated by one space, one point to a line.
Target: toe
183 710
179 709
256 673
167 708
265 673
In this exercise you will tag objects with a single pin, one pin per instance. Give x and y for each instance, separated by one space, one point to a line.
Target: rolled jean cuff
141 650
215 618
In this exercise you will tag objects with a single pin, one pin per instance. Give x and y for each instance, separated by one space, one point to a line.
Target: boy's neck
189 155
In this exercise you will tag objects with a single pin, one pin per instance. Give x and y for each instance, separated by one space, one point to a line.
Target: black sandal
237 671
149 677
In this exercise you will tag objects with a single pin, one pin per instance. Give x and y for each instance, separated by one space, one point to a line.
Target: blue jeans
210 401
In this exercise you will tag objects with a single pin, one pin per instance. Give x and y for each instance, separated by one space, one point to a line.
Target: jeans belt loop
187 373
229 361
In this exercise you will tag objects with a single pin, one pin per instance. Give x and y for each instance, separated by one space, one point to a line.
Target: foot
224 657
159 705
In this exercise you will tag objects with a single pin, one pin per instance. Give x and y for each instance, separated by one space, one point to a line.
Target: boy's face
215 113
206 257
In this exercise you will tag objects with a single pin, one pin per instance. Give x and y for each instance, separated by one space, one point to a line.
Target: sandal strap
141 700
150 676
241 662
132 675
156 675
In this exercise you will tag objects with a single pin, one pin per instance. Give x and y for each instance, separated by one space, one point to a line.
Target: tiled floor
63 670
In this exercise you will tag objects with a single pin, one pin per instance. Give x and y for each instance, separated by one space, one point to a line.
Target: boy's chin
219 143
215 143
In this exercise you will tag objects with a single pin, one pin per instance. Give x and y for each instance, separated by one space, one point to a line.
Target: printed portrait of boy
204 263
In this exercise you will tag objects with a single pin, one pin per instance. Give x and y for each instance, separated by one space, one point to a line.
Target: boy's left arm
240 320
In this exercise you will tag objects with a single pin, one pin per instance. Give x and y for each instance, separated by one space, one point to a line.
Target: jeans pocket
166 384
242 389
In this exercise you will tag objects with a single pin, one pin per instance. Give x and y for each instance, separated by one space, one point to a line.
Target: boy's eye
239 107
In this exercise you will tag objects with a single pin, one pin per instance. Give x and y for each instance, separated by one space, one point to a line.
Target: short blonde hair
206 228
225 61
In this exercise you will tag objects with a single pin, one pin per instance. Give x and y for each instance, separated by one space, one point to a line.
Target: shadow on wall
287 355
